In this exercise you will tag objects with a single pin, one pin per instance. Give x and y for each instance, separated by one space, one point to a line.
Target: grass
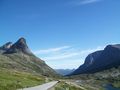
116 84
12 80
26 63
65 86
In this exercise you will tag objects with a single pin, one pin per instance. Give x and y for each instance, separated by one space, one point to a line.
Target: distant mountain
64 71
100 60
18 56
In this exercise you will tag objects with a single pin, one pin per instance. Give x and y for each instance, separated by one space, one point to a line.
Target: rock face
100 60
18 56
5 47
19 46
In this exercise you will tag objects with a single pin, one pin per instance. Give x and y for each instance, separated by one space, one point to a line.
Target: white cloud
62 56
89 1
83 2
66 55
50 50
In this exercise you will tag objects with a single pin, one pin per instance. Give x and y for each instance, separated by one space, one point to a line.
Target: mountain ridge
17 56
100 60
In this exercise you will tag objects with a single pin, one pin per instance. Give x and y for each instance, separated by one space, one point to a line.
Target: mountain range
100 60
18 56
64 71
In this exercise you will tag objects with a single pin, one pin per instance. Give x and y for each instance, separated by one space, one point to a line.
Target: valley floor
66 85
13 80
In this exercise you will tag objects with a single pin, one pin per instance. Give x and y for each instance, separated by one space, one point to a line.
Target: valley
59 44
21 69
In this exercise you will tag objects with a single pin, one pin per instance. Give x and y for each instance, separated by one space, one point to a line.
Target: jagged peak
6 45
22 40
19 46
21 43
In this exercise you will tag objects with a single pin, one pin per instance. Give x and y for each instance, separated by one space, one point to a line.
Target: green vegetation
65 86
12 80
97 80
116 84
26 63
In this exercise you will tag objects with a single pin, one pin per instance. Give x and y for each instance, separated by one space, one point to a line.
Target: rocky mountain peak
6 46
22 41
19 46
18 57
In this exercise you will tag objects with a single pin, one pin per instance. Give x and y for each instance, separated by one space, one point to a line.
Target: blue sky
61 32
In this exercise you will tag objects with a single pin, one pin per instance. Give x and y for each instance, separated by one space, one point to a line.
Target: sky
61 32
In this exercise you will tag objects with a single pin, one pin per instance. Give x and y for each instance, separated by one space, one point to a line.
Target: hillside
13 80
100 60
19 57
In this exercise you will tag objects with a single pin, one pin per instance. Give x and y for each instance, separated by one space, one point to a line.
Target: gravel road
45 86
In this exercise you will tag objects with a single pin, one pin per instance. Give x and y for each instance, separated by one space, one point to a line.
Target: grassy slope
20 71
27 63
12 80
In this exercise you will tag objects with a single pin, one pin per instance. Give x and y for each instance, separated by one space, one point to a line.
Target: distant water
110 87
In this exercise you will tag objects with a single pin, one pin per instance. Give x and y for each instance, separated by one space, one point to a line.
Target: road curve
45 86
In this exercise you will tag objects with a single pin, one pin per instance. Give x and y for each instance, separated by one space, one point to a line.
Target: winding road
45 86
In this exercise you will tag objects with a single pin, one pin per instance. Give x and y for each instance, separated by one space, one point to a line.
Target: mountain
5 47
64 71
100 60
18 57
19 46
